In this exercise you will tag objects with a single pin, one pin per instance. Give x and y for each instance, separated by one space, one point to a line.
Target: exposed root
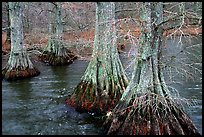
150 114
56 54
52 59
19 73
87 97
19 66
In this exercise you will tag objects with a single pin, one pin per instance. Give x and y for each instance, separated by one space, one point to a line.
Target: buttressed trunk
19 64
55 53
104 80
146 106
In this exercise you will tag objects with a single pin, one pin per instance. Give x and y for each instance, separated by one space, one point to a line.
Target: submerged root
150 114
87 97
19 73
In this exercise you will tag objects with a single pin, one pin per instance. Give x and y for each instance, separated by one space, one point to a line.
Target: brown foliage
87 35
6 45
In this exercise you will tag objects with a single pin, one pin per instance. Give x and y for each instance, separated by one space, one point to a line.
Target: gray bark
15 14
146 106
105 49
104 79
59 26
55 52
19 64
53 43
17 48
9 29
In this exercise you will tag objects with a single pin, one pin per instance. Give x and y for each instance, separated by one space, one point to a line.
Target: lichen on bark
55 52
104 80
19 65
146 106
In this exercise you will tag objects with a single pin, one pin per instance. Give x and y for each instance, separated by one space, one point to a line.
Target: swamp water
36 106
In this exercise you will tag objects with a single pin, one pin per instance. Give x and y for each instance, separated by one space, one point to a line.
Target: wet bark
19 65
146 106
104 80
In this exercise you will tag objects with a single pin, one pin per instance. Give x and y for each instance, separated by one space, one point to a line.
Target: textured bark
55 53
19 65
104 80
6 43
8 38
146 106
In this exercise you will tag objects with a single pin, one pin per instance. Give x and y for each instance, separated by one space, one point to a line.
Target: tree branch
125 10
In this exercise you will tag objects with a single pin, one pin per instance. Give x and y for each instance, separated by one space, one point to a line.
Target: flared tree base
150 114
19 73
87 97
54 60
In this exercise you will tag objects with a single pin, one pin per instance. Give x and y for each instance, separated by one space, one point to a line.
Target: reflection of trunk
104 79
146 106
19 64
55 52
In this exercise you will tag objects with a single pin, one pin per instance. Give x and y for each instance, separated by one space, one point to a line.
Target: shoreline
85 50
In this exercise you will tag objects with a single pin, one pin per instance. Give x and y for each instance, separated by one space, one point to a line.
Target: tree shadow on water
23 88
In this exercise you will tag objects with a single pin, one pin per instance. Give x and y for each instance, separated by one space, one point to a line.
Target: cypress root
146 106
88 97
56 54
18 67
104 80
150 116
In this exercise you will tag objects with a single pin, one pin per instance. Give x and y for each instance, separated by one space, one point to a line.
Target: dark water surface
36 106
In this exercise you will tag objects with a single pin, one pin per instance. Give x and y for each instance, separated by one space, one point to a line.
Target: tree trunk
7 43
55 52
104 80
19 64
9 29
146 106
27 18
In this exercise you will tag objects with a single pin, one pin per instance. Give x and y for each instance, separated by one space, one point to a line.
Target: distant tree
55 53
19 64
146 106
104 80
27 23
6 31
